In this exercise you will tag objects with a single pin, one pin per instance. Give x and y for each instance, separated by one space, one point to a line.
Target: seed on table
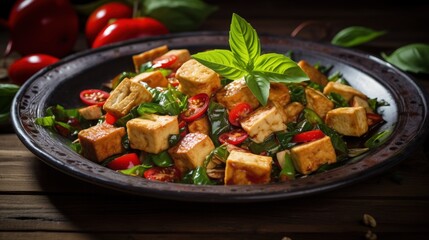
369 220
370 235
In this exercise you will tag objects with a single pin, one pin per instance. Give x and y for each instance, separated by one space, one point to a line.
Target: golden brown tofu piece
308 157
318 102
200 125
151 133
292 111
247 168
125 96
279 93
191 151
182 55
347 92
360 102
314 74
349 121
92 112
101 141
195 78
153 79
234 93
147 56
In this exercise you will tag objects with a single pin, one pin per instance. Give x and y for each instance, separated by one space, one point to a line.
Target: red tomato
23 68
43 26
164 174
308 136
101 16
94 97
238 112
125 161
165 61
373 118
233 137
197 106
124 29
110 118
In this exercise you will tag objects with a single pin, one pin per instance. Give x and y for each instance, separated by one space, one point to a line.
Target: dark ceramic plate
61 83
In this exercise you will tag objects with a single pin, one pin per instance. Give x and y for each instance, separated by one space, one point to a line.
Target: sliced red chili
110 118
164 174
373 118
164 61
125 161
94 97
197 106
308 136
233 137
238 112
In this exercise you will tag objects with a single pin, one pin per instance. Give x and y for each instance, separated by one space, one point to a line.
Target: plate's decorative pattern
61 83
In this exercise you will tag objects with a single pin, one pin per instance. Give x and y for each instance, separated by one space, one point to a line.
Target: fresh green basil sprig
355 35
7 93
245 60
412 58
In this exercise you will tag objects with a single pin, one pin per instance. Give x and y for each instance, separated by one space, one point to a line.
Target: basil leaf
218 117
259 86
413 58
136 170
279 67
178 15
338 100
198 176
356 35
7 93
222 62
243 40
161 159
336 139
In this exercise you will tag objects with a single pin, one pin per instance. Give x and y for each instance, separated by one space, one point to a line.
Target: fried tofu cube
101 141
360 102
315 75
347 92
182 56
147 56
153 79
234 93
279 93
247 168
92 112
318 102
349 121
195 78
201 125
125 96
292 111
191 151
308 157
151 134
262 122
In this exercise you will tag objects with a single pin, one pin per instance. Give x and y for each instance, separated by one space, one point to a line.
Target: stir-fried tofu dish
175 119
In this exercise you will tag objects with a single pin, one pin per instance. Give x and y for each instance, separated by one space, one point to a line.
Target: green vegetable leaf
243 41
218 117
259 85
378 139
198 176
221 61
356 35
178 15
412 58
279 67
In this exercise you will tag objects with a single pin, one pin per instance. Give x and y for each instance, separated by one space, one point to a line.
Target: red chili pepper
94 97
23 68
110 118
42 26
308 136
373 118
238 112
125 161
233 137
101 16
124 29
165 61
164 174
197 106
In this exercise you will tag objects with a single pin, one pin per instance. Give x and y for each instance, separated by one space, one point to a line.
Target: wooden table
38 202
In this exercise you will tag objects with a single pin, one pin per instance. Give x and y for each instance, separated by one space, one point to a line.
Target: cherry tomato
373 118
164 174
238 112
110 118
43 26
124 29
165 61
125 161
101 16
233 137
23 68
197 106
94 97
308 136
